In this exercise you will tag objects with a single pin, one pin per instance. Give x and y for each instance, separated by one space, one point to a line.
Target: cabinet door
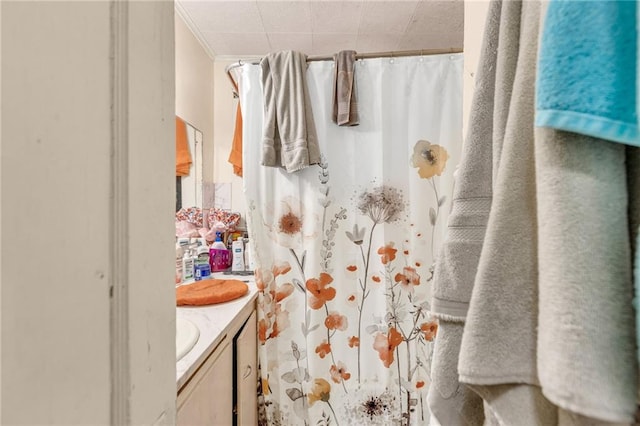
207 398
247 374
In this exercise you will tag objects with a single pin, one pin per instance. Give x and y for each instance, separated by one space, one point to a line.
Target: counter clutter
214 322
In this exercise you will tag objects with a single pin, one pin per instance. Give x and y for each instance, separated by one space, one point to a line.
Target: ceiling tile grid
322 27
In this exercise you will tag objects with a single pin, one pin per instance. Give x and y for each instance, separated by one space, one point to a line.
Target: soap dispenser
218 255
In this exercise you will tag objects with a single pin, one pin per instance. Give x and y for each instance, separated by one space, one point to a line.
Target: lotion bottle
187 266
237 263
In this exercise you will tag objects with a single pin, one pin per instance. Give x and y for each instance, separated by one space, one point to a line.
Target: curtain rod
391 54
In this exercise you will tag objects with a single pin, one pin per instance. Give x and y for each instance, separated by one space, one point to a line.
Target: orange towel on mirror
183 157
235 157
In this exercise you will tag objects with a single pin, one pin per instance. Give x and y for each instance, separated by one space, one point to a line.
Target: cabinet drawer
247 374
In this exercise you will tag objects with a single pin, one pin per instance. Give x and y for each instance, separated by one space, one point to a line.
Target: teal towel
586 81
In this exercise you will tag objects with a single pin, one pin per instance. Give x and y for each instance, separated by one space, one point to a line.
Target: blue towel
586 79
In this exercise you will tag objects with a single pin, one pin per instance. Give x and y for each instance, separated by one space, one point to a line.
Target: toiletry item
179 254
218 255
237 263
187 266
202 268
202 271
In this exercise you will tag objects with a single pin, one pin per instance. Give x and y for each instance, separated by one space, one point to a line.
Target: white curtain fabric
344 251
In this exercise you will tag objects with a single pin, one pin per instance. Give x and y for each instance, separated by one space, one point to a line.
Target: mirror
189 187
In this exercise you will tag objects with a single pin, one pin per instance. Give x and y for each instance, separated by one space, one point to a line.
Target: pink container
219 259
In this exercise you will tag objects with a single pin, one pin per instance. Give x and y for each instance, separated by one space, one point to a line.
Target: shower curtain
344 250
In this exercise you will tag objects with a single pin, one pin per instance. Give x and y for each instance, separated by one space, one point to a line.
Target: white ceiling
257 27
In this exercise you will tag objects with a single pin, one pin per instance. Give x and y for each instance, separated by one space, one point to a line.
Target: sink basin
187 335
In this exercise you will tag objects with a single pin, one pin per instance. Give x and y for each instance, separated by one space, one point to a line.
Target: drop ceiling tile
250 44
438 17
330 43
373 43
335 16
386 16
241 16
301 42
285 16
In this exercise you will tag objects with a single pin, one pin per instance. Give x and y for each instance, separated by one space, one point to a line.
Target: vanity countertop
213 322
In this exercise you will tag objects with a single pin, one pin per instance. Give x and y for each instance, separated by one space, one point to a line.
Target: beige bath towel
586 347
451 402
498 351
289 138
345 104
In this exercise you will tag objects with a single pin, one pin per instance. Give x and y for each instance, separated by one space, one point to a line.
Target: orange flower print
387 253
351 271
264 278
282 291
262 331
323 349
420 384
429 329
386 344
319 292
280 268
275 331
375 278
352 300
339 372
320 391
430 159
354 342
335 321
281 322
408 278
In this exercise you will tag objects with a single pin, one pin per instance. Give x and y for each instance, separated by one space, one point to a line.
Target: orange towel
235 157
208 292
183 157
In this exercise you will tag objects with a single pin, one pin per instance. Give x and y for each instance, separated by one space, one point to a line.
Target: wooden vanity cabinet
246 374
223 391
207 399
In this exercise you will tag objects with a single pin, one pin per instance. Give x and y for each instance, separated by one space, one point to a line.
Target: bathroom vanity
217 378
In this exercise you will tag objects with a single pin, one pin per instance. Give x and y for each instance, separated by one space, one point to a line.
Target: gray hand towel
586 347
345 104
289 137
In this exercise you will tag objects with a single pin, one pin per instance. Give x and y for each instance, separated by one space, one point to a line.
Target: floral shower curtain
344 250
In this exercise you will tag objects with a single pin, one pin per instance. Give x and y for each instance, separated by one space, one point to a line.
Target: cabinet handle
247 372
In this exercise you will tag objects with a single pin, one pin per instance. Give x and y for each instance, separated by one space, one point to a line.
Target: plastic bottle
202 268
218 255
179 254
187 266
237 264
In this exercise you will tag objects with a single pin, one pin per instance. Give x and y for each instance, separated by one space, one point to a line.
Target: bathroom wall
475 13
195 90
224 118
